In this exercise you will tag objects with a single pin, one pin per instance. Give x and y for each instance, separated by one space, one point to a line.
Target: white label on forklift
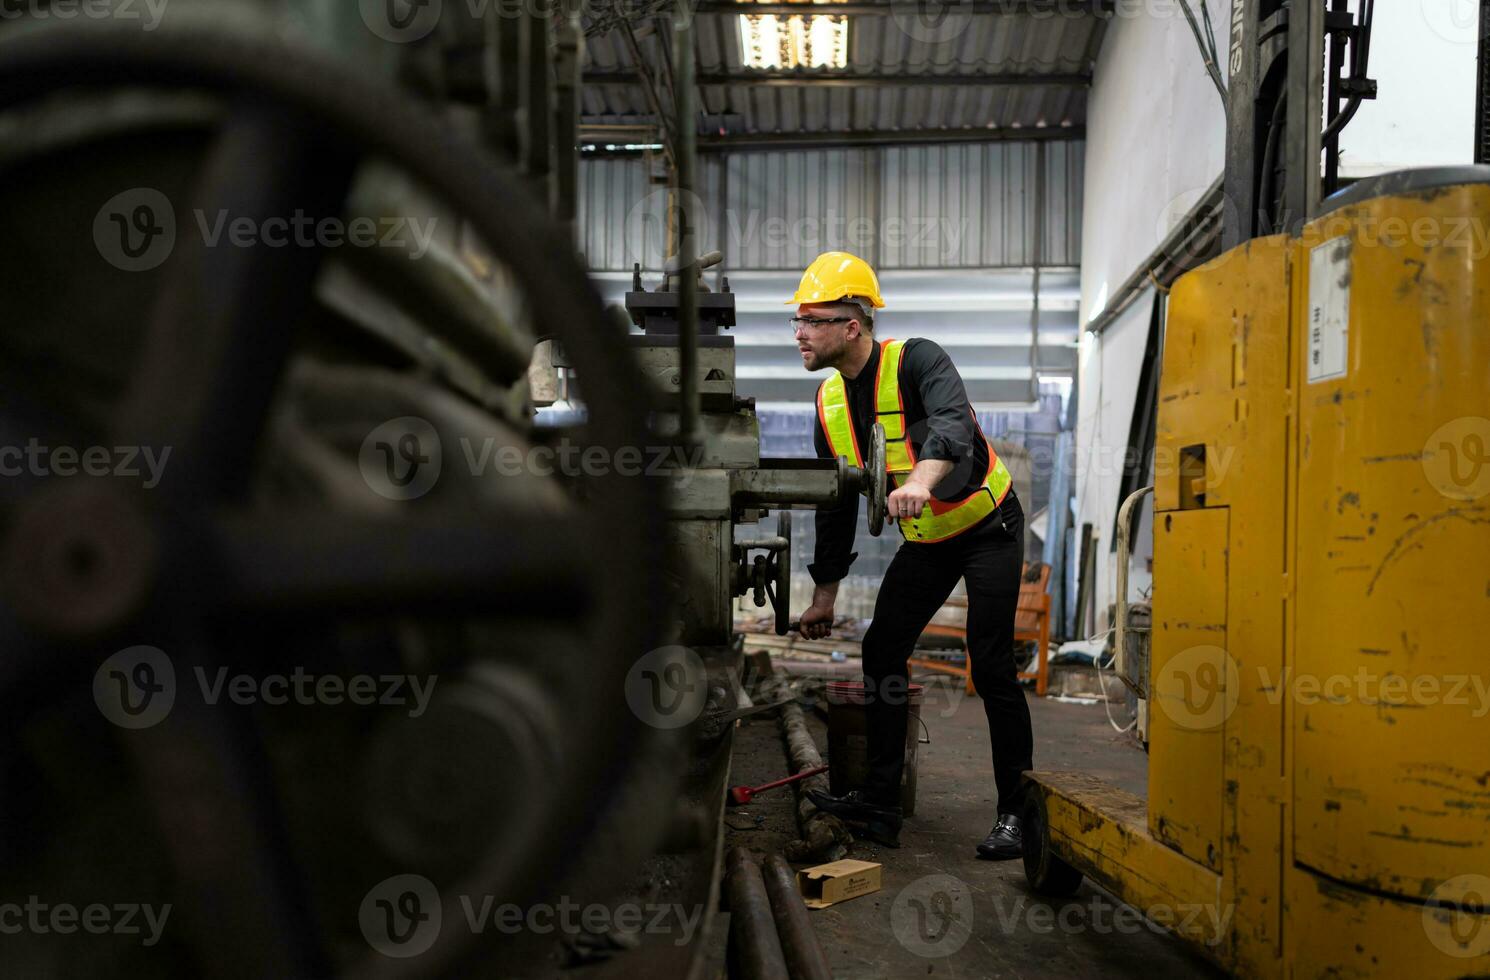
1329 309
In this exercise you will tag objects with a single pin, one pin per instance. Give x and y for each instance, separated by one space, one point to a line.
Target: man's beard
829 359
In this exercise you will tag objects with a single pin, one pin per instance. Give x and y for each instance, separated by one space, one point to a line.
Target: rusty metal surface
1227 388
1393 538
1102 831
262 827
804 955
1188 695
1320 603
755 947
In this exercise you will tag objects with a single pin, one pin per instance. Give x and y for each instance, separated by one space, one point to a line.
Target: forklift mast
1276 94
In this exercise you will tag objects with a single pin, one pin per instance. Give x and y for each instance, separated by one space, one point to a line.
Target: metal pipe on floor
804 956
824 837
754 948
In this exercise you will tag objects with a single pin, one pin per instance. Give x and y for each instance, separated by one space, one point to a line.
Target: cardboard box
829 884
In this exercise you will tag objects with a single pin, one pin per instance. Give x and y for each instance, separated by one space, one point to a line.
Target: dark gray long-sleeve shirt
940 422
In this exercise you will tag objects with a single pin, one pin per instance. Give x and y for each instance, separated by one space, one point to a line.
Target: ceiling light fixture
796 41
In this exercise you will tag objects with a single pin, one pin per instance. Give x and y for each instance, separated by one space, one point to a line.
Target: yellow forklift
1318 713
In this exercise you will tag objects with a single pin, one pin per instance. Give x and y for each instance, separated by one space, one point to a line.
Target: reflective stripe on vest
939 520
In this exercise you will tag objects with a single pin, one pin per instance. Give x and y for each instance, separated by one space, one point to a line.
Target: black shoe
1004 842
879 823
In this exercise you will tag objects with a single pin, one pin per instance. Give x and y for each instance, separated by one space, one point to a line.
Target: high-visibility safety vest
939 520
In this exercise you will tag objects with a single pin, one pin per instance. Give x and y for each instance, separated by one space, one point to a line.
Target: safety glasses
812 322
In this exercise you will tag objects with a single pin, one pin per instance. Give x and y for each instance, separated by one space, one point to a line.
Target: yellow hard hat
838 275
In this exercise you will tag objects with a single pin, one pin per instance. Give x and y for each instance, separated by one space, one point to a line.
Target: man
952 499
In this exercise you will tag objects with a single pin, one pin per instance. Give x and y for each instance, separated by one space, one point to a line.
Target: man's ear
855 329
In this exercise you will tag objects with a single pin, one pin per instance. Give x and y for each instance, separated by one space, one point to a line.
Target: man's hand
907 501
817 622
910 500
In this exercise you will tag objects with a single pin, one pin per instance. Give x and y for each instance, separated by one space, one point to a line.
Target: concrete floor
942 912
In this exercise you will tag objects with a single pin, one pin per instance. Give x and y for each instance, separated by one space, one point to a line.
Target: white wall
1109 369
1423 53
1156 140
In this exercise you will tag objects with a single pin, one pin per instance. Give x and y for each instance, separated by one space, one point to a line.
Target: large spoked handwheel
1046 873
87 568
877 489
781 593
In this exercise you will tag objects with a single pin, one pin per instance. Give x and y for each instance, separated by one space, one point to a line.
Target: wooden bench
1031 623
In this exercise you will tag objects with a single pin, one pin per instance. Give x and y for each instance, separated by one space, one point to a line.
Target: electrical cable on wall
1207 50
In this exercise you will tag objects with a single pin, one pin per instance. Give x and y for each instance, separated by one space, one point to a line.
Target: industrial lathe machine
729 483
321 691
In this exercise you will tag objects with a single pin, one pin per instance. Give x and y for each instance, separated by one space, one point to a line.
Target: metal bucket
848 740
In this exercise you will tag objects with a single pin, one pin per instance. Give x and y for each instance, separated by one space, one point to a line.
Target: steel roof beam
816 79
868 8
745 142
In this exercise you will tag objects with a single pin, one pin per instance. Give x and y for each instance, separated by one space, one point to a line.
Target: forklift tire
1046 873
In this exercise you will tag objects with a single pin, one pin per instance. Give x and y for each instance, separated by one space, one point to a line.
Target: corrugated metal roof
913 207
984 44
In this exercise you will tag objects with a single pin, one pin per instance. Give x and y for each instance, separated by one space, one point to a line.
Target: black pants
921 576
